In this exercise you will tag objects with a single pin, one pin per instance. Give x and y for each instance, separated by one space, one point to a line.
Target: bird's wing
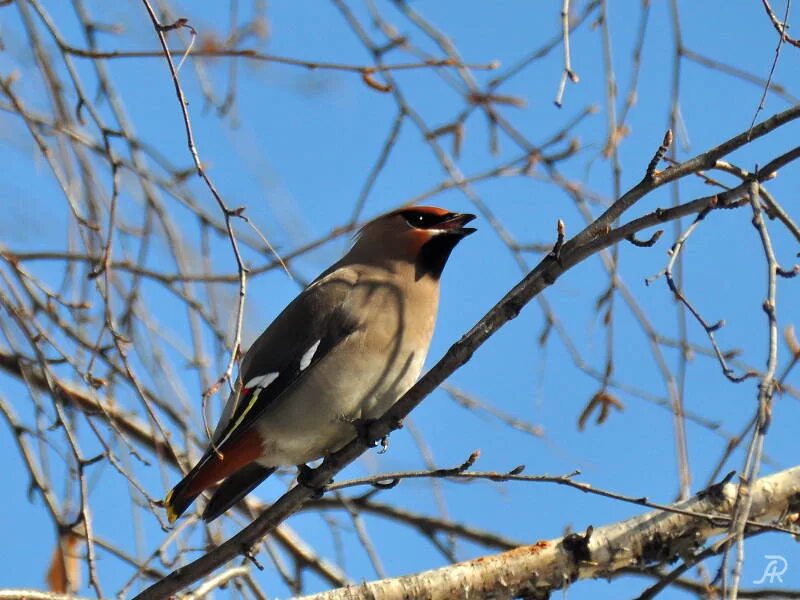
308 329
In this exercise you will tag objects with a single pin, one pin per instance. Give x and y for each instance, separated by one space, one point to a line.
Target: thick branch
535 570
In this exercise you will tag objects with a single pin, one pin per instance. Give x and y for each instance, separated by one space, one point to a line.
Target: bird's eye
422 220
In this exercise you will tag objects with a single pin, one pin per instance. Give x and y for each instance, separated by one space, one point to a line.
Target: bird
339 355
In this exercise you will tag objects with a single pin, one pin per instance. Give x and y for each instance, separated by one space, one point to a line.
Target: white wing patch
308 356
261 381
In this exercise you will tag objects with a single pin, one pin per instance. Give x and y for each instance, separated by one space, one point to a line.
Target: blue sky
297 155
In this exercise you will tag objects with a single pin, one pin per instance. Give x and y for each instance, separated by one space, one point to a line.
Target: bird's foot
365 435
363 430
304 476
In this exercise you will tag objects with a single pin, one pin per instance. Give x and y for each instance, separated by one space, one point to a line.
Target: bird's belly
317 417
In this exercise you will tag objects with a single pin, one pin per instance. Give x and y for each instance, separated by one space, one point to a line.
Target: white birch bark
537 569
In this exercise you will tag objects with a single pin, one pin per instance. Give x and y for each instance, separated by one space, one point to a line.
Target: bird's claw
304 476
366 436
363 427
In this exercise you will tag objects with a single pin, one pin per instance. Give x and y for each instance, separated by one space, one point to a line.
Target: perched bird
340 354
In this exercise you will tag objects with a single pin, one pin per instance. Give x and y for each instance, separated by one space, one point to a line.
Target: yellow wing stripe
247 409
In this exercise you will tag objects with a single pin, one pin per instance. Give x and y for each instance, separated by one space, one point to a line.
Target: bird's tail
182 495
215 466
234 488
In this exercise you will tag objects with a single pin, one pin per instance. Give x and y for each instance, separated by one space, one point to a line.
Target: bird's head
422 235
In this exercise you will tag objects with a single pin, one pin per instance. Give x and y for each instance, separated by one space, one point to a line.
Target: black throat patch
434 254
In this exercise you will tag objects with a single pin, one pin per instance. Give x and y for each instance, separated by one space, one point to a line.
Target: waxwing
340 354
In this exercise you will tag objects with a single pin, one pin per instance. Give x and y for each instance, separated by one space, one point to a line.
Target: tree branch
536 570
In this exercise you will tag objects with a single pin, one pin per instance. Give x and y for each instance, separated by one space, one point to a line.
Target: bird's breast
359 379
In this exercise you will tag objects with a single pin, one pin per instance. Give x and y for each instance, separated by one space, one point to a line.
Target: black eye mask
420 220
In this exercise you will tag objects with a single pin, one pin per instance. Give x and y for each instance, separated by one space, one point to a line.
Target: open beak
455 224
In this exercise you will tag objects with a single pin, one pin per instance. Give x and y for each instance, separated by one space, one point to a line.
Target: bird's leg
304 476
363 429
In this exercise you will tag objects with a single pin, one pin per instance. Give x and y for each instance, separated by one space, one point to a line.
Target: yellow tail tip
171 515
